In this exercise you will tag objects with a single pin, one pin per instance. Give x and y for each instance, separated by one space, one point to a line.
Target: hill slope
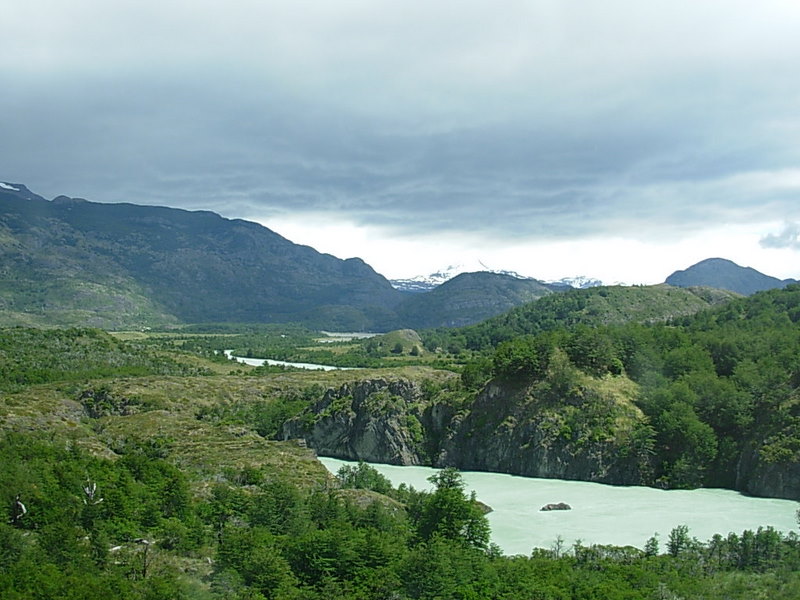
726 275
607 305
469 298
73 262
166 264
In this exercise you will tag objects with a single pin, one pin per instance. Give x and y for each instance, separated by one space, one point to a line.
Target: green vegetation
719 389
599 306
133 527
29 356
295 343
148 466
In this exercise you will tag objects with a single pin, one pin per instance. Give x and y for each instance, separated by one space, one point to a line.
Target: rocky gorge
591 431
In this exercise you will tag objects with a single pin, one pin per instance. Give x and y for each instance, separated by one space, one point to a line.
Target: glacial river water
257 362
601 514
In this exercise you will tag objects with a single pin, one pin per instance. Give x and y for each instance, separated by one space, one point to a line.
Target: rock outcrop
758 477
375 420
522 431
507 428
556 506
570 426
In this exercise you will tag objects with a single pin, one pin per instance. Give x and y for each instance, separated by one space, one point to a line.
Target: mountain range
69 261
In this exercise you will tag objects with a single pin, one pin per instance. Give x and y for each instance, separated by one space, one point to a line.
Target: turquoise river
601 514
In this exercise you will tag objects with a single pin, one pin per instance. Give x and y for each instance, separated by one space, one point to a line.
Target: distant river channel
601 514
258 362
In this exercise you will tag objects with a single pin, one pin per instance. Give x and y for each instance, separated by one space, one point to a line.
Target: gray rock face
503 429
390 421
508 433
770 480
374 420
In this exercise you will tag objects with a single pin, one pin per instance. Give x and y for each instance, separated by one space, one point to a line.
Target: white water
258 362
601 514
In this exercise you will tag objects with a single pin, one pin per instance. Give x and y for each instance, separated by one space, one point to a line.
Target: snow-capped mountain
580 282
425 283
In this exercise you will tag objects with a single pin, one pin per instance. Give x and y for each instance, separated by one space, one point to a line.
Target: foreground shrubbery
130 528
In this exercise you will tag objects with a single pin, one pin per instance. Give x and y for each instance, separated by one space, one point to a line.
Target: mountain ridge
71 261
192 265
725 274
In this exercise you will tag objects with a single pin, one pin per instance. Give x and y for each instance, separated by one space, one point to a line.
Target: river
601 514
258 362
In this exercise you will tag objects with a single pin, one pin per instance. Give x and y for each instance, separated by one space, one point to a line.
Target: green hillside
131 469
71 262
469 298
609 305
720 389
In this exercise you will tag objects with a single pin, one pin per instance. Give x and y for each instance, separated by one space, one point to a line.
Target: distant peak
580 282
424 283
725 274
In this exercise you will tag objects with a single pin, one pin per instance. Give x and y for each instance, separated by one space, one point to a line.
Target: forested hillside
597 306
71 262
141 471
720 389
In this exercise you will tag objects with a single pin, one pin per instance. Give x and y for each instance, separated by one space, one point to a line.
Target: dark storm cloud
515 120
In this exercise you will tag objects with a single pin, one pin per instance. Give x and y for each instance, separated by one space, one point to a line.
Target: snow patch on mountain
580 282
425 283
5 186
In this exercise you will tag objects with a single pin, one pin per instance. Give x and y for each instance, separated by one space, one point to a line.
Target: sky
620 140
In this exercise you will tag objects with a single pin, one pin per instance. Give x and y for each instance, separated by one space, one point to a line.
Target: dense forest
79 526
149 468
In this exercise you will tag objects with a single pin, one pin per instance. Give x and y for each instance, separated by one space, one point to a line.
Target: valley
123 418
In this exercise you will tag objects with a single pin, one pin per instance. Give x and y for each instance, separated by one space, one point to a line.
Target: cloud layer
521 120
789 237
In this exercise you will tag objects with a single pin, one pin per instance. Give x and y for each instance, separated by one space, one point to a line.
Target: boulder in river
556 506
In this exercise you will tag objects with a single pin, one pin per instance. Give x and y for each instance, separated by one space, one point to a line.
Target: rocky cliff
769 479
587 432
376 420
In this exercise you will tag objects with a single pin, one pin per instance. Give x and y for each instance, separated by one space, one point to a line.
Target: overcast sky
617 139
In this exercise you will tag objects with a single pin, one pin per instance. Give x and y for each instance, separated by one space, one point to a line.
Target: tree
592 351
678 541
518 358
451 514
363 476
475 373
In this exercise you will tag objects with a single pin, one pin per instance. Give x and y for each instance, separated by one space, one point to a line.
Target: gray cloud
514 120
789 237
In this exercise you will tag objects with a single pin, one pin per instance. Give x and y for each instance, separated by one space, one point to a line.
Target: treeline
79 526
713 386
